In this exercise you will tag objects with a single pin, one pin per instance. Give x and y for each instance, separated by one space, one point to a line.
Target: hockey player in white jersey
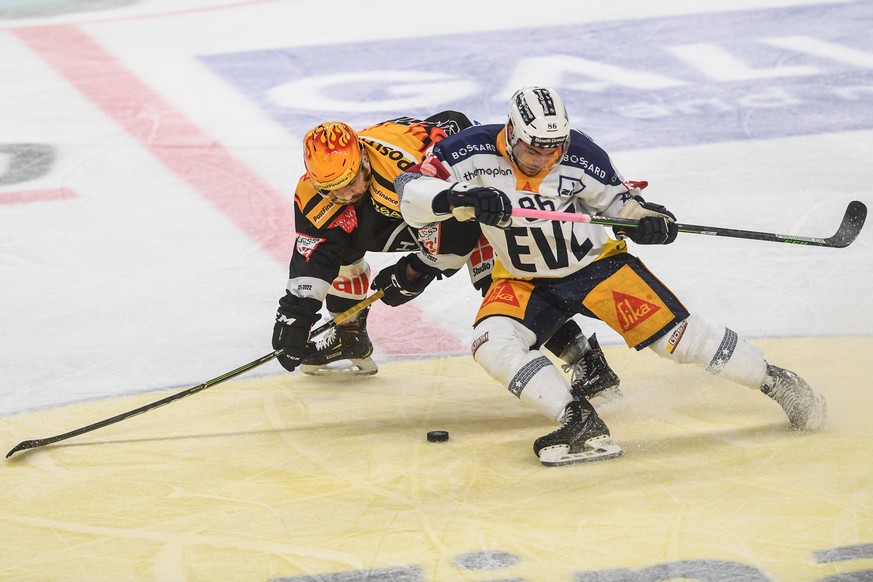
546 270
345 206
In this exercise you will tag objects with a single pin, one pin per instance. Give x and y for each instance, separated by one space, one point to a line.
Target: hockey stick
344 316
853 221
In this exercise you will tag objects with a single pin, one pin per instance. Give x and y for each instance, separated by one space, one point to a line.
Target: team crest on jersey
568 186
632 311
306 245
347 220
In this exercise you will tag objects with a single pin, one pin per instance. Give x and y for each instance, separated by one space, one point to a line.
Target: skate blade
362 367
596 449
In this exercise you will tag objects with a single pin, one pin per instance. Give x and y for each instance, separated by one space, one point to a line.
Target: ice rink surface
148 155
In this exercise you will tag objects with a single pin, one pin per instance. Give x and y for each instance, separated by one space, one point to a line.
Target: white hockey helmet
538 118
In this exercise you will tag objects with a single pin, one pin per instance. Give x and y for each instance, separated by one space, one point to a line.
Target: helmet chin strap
510 151
510 142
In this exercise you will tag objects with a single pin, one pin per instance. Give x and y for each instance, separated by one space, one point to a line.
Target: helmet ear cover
332 155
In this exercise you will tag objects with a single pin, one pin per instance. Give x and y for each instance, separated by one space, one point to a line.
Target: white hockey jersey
584 181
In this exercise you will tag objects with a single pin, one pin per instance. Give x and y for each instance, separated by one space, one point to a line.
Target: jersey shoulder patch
392 148
306 245
479 139
317 210
589 157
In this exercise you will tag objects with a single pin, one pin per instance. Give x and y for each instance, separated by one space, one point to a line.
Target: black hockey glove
657 225
490 205
294 318
398 288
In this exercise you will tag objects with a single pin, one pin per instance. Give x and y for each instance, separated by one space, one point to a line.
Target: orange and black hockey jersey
330 235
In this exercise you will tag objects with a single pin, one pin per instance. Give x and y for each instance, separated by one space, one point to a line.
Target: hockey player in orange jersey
346 206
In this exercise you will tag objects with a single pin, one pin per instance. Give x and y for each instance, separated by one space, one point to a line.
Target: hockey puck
437 436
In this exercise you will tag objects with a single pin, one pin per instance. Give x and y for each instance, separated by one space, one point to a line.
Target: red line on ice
44 195
209 169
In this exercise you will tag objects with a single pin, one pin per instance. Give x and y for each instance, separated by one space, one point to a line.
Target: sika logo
632 311
502 293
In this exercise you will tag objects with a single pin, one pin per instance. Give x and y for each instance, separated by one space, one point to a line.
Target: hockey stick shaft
850 227
344 316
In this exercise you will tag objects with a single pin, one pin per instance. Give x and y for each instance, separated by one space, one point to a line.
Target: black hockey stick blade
32 444
850 227
847 232
35 443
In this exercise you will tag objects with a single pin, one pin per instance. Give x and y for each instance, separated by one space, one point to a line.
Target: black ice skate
346 349
806 408
584 437
590 376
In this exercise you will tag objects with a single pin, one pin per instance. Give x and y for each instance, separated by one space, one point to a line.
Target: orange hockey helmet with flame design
333 156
